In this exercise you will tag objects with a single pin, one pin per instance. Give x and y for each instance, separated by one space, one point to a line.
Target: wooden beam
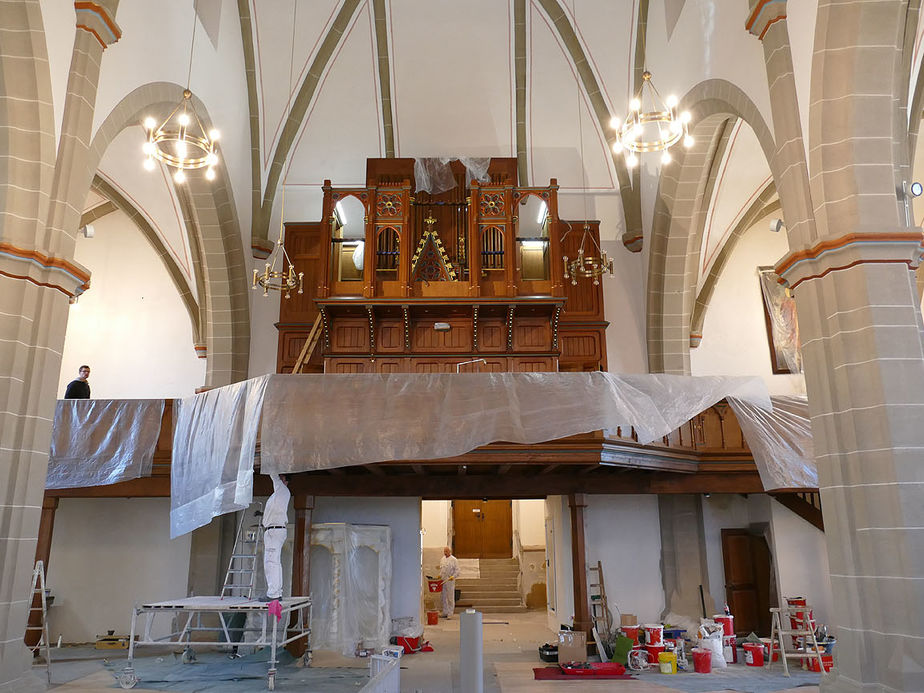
577 503
418 469
301 556
548 469
374 469
503 469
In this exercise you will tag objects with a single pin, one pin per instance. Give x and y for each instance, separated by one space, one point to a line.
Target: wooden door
482 529
747 580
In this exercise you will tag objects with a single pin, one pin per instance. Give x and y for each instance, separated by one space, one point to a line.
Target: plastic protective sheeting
214 438
351 568
781 442
316 421
434 175
99 442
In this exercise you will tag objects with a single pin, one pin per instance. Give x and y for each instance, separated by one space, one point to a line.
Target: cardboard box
572 646
628 620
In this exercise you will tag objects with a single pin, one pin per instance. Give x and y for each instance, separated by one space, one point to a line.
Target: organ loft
441 268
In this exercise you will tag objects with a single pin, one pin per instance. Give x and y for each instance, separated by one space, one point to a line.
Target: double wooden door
482 529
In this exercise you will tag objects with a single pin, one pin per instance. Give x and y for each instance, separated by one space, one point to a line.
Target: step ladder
240 578
38 587
802 630
599 609
314 337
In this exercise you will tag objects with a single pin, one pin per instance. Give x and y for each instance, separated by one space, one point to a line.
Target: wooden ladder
38 587
314 336
599 610
802 633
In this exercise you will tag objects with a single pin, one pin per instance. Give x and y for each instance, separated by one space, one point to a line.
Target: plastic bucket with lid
702 661
753 654
667 663
654 633
631 632
728 623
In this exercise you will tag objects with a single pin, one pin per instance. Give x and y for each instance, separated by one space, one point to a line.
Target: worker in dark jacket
80 388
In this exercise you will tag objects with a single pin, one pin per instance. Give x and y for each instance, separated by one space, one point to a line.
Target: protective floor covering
735 678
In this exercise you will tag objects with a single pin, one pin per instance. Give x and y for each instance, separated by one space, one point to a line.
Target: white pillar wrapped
471 662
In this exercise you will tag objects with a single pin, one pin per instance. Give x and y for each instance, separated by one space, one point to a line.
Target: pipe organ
466 279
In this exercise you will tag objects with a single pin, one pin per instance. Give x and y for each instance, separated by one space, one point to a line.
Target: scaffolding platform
188 612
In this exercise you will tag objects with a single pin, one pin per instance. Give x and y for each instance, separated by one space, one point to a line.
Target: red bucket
435 585
702 661
730 649
727 621
433 617
826 660
631 632
654 634
653 652
753 654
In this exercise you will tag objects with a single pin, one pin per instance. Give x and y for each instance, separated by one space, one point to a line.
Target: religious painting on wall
782 323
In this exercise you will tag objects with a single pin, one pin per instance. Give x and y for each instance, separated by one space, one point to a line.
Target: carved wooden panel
349 335
390 336
532 334
348 366
492 335
291 341
390 365
585 300
543 364
579 345
433 366
303 243
424 338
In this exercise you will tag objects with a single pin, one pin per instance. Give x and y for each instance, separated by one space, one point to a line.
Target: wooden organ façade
418 282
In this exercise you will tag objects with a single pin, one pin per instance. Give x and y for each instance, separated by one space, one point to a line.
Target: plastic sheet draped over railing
780 440
434 175
316 421
100 442
214 439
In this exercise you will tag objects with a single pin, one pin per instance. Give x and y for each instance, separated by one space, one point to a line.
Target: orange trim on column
769 24
46 262
758 8
842 242
98 37
848 266
102 13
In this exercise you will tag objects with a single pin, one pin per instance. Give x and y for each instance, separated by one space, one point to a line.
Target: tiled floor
510 654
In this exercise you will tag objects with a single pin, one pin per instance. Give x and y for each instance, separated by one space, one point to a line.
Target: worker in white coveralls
449 571
275 519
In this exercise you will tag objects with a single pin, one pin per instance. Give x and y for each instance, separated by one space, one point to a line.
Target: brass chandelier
180 140
588 266
652 125
281 279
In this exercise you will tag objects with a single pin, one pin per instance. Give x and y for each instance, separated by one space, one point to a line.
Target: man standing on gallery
80 388
275 520
449 571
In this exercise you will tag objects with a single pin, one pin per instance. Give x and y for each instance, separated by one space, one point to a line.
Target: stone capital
95 19
764 14
900 245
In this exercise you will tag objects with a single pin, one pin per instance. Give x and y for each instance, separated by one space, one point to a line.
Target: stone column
860 328
37 278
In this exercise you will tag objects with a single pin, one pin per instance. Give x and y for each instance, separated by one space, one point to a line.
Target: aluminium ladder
239 580
38 587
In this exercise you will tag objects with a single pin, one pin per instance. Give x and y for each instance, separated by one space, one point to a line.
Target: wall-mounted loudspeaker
777 225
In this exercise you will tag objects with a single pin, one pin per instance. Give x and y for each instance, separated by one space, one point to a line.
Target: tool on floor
38 587
801 628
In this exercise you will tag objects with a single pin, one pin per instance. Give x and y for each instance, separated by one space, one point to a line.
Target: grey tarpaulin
781 441
214 438
98 442
335 420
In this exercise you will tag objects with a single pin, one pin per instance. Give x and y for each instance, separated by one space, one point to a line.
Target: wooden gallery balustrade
409 282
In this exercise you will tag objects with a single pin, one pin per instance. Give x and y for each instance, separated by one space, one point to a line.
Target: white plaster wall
434 523
734 332
106 555
131 327
403 516
802 561
529 521
624 533
558 539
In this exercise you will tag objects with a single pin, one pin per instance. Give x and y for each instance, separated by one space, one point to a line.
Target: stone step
473 592
498 582
490 601
495 609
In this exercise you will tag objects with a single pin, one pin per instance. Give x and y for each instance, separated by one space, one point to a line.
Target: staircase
496 591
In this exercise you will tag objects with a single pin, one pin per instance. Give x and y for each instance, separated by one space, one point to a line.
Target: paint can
667 663
433 617
776 649
753 654
727 621
702 660
826 660
654 634
654 652
730 649
631 632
